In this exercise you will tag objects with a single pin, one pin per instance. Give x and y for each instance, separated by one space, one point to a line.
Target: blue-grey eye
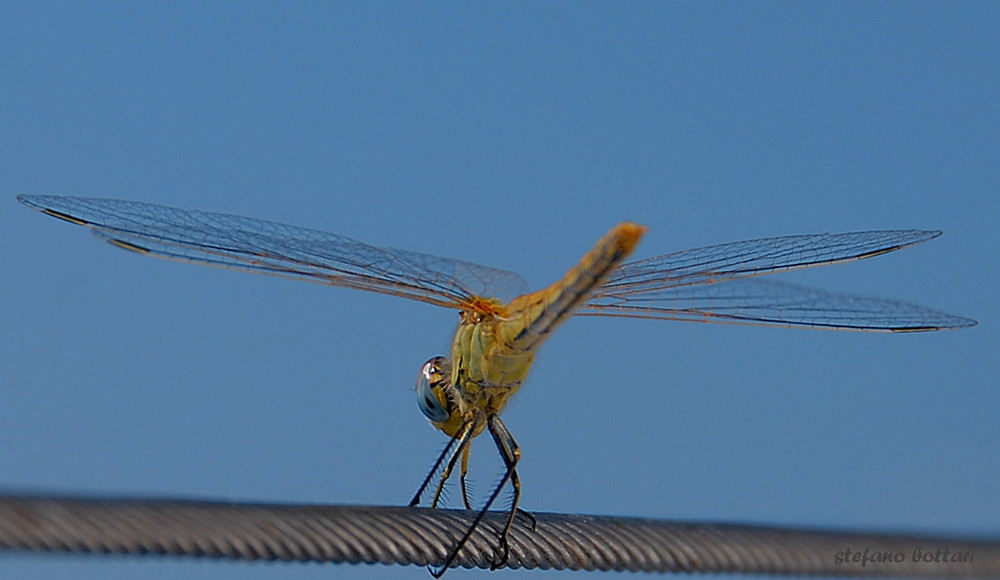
430 405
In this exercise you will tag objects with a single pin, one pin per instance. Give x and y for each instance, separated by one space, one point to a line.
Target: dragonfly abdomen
529 319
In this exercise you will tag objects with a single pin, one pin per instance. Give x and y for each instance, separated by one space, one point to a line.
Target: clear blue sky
510 135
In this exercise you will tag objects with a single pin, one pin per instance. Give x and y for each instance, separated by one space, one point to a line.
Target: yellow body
495 343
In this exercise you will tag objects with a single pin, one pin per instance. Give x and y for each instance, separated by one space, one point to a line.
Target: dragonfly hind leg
511 454
527 515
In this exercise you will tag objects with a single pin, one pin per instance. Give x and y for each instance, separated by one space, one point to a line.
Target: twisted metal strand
405 535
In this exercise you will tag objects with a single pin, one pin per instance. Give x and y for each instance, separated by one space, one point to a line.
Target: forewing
277 249
755 257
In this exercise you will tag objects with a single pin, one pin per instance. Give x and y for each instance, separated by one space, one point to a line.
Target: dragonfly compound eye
430 382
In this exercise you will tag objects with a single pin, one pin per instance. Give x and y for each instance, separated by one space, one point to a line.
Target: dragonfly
501 323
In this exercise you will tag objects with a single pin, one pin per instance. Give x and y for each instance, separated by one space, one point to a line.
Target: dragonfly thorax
483 373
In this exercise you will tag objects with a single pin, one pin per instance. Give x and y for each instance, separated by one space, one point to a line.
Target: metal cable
402 535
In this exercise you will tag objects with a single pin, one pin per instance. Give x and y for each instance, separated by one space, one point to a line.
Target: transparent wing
770 302
713 284
276 249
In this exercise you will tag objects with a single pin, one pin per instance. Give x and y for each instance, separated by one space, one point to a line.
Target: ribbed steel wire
402 535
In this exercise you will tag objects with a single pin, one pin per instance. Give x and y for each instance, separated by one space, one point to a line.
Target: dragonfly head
433 390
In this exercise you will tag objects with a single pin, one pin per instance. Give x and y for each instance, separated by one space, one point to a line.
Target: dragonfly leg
461 435
530 517
434 468
465 471
462 449
511 454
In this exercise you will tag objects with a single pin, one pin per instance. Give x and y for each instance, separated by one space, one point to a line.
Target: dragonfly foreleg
437 464
461 450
